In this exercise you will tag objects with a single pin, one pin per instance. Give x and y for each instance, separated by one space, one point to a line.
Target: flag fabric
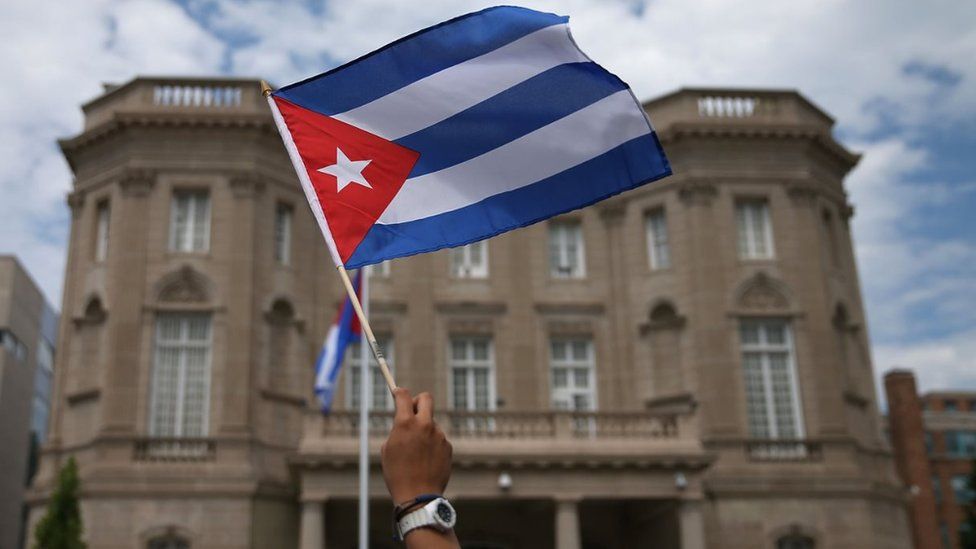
344 330
482 124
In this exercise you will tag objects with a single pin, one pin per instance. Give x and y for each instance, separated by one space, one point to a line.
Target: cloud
890 71
55 56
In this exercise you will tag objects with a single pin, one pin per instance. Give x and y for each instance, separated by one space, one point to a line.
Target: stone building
28 328
934 440
684 365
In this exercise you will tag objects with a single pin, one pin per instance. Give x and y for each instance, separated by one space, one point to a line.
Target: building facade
28 328
934 439
684 365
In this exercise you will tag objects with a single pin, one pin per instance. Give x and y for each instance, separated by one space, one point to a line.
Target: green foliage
967 533
61 526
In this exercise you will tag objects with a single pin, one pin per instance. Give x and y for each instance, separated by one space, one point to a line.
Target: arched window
168 542
795 541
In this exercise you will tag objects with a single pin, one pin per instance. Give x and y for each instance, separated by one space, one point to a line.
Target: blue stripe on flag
636 162
525 107
430 50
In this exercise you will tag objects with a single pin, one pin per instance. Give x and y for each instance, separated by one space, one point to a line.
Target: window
472 379
571 365
772 397
13 345
929 442
961 443
950 406
795 541
42 389
180 392
380 397
961 490
101 230
937 489
190 222
658 251
282 234
755 233
566 257
470 261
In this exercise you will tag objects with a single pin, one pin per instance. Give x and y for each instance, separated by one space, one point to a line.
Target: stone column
567 524
691 524
313 525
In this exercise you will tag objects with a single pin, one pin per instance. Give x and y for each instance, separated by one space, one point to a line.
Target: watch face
445 513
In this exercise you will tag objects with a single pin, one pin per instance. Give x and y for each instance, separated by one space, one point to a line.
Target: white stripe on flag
454 89
324 368
567 142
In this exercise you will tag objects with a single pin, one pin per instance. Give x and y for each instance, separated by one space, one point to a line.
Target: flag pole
365 392
306 185
367 331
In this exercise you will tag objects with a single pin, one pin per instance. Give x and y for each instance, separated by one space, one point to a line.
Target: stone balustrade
174 449
516 425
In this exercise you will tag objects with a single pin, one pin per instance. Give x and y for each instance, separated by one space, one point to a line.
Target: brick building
934 439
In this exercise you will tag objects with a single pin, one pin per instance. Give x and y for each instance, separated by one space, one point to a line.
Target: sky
898 76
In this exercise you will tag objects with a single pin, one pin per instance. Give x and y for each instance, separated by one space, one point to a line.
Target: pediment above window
763 294
185 285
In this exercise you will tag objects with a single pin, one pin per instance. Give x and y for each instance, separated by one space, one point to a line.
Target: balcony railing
197 96
520 425
719 107
174 449
234 97
784 450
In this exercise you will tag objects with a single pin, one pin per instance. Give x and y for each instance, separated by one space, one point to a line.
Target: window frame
655 240
103 223
746 222
181 374
571 365
471 363
465 267
284 220
568 226
765 350
376 377
193 199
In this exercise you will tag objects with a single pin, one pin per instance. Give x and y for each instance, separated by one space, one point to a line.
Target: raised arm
417 462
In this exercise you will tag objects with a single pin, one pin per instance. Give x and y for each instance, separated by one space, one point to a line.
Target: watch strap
415 519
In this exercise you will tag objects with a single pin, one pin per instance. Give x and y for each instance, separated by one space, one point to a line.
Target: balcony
143 97
725 107
174 449
783 450
556 436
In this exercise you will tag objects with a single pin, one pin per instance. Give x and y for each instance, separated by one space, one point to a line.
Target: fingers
404 405
425 408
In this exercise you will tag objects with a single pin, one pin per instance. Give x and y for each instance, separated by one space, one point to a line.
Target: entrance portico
632 487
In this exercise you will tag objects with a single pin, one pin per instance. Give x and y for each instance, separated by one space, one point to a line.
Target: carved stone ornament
137 181
246 184
761 293
803 193
76 199
697 193
184 286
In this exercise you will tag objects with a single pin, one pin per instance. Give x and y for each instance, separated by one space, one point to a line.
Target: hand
417 456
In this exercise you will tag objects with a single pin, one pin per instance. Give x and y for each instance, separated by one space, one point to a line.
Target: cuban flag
482 124
344 330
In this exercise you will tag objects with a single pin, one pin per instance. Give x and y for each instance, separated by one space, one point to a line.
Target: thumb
404 405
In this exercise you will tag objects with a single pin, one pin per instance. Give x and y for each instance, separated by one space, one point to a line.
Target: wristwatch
439 514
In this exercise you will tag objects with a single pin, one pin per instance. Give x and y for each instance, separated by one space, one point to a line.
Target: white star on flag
347 171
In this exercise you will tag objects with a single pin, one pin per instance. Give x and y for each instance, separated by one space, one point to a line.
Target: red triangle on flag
332 152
